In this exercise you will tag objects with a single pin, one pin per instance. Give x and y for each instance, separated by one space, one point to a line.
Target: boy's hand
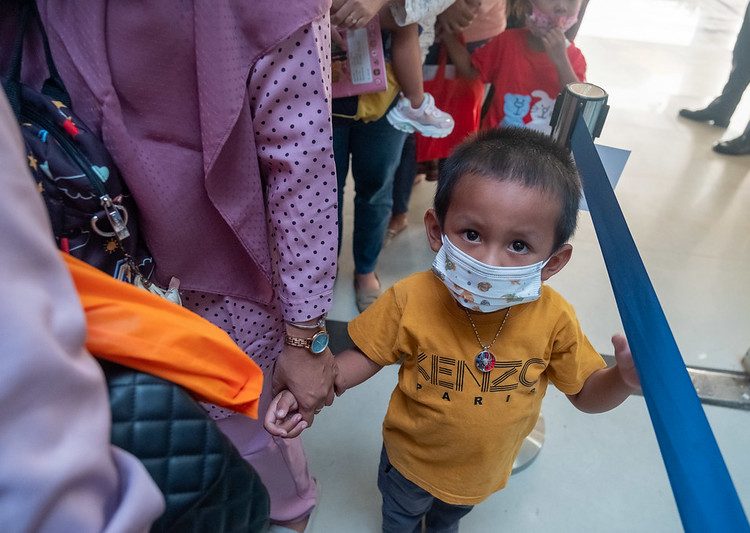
282 418
625 363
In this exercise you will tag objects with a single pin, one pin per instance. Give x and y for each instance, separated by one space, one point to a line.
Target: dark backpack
92 214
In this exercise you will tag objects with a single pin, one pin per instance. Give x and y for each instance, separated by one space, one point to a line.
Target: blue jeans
404 179
404 504
375 150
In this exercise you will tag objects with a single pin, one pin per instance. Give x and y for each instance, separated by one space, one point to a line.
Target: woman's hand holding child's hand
282 418
625 363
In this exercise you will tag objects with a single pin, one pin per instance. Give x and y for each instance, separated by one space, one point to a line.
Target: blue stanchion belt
705 496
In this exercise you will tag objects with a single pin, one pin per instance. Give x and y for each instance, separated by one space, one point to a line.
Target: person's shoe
708 114
365 297
430 169
737 146
392 233
426 119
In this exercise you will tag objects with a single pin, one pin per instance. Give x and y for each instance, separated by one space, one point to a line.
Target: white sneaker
426 119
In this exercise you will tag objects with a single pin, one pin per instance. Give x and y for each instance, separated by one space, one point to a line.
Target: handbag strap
53 86
443 57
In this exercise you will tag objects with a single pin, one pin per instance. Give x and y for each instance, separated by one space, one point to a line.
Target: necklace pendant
485 360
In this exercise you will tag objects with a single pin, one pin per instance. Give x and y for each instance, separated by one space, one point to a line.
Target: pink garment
258 329
490 21
168 85
218 116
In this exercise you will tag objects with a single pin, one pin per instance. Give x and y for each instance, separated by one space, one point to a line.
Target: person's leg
376 151
739 77
341 128
404 503
416 110
402 186
406 57
720 110
280 463
444 517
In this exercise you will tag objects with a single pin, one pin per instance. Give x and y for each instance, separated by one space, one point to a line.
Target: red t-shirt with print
526 82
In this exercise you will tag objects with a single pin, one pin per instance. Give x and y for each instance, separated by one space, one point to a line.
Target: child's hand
459 15
556 45
625 361
282 418
354 13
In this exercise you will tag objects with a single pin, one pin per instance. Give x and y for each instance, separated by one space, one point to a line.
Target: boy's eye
472 235
518 247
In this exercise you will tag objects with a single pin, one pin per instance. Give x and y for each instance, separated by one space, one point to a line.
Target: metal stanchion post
577 99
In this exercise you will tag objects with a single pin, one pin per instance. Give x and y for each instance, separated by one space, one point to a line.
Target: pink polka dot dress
290 94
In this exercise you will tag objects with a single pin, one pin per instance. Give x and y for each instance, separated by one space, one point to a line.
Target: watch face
319 342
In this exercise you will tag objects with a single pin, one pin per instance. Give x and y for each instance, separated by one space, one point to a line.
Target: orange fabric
135 328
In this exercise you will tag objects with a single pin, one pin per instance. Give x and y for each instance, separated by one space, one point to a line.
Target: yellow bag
372 106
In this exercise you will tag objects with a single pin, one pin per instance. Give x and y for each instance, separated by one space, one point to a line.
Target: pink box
360 68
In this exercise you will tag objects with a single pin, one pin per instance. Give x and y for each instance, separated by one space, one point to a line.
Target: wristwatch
316 344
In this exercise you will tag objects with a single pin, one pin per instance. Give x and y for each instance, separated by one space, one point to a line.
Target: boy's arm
607 388
354 367
556 45
459 56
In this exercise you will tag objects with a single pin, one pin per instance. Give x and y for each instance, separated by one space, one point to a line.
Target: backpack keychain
90 209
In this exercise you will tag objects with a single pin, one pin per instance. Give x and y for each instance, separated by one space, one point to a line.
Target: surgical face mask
486 288
539 22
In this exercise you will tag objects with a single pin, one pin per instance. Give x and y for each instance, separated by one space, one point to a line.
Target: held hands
624 360
309 378
282 418
354 13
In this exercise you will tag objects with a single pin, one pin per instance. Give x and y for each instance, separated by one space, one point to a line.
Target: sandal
365 298
391 234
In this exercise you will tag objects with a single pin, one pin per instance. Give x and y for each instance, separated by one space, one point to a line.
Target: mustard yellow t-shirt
451 429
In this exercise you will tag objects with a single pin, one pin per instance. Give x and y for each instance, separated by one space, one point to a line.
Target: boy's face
501 223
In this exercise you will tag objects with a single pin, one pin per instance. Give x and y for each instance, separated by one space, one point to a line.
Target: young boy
527 66
479 336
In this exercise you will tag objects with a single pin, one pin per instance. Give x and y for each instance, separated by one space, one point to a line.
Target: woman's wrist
311 324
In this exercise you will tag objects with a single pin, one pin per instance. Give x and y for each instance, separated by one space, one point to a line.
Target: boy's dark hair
519 155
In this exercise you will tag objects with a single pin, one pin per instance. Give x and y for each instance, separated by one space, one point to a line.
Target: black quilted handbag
207 485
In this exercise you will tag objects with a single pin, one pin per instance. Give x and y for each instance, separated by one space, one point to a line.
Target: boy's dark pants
404 504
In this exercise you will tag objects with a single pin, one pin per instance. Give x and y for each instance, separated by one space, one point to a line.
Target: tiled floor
687 209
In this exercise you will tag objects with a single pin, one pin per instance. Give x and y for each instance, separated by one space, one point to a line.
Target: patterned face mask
539 23
486 288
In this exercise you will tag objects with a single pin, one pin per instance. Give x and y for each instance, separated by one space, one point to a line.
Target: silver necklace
485 359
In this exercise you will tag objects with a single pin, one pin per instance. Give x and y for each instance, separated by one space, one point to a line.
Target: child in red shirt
528 66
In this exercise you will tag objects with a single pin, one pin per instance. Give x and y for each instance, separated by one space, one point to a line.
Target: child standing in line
479 337
415 110
528 67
